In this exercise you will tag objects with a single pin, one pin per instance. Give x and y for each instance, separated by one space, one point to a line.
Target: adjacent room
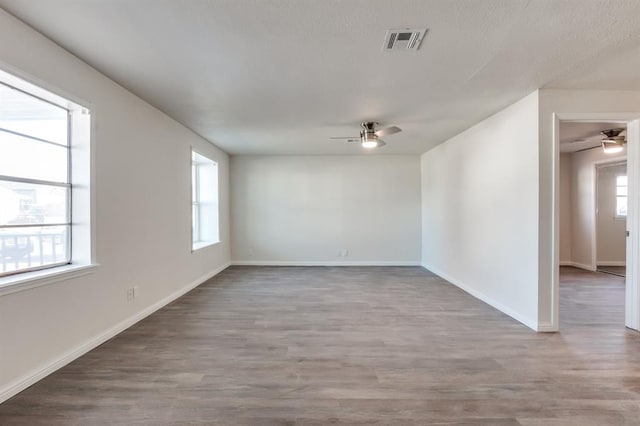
290 212
593 213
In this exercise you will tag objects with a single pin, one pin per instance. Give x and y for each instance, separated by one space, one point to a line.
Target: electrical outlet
132 293
343 253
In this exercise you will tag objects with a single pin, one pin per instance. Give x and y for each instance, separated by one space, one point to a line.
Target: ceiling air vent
403 39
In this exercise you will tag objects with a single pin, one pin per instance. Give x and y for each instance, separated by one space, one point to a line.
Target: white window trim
202 244
29 280
198 245
83 242
616 216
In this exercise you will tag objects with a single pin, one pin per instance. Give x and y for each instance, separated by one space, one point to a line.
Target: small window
621 197
204 200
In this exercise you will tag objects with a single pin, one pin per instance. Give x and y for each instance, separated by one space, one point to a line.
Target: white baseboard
612 263
40 373
578 265
532 324
591 268
325 263
546 327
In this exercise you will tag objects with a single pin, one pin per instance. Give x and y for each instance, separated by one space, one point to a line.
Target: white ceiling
282 76
577 136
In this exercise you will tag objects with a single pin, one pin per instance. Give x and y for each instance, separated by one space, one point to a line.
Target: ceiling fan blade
345 137
388 131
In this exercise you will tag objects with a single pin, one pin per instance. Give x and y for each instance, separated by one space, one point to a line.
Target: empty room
281 212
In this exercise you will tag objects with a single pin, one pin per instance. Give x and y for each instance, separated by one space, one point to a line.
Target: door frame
632 284
597 165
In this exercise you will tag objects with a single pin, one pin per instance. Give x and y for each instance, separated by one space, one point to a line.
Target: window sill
29 280
203 244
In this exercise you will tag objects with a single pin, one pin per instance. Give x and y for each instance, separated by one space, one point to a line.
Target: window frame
67 185
80 178
616 215
197 204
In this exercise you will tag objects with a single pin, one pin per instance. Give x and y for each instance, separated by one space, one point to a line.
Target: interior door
632 295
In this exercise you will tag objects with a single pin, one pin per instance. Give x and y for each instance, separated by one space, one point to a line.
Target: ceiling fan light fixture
371 140
612 146
613 141
368 137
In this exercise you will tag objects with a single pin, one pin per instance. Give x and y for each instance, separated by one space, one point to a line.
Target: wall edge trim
578 265
546 327
534 325
612 263
41 372
324 263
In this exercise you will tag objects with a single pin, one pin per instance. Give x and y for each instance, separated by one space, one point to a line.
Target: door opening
593 202
611 218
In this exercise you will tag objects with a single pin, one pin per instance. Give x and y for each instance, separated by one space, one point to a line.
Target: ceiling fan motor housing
613 142
613 133
368 132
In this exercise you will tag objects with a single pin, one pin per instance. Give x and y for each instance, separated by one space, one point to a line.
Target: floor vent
404 39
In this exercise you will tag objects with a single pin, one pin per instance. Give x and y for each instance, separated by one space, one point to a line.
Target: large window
204 201
35 220
37 196
621 197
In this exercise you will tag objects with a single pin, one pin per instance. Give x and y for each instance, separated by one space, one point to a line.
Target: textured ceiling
282 76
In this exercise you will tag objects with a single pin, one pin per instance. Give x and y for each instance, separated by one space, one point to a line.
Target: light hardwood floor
351 345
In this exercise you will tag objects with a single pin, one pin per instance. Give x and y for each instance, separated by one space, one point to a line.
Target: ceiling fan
370 137
614 140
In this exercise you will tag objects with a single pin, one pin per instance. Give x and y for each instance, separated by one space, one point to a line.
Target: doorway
592 213
611 218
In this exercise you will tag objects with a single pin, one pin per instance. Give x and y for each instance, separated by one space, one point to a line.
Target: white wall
305 209
143 222
565 208
610 235
480 210
583 206
577 204
600 105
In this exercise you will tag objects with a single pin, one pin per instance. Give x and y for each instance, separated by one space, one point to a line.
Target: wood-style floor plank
351 346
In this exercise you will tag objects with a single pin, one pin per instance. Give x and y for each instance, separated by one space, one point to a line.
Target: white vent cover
404 39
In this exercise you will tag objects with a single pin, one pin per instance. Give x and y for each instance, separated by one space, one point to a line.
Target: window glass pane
621 191
621 206
204 178
194 183
32 247
31 116
26 203
194 223
28 158
621 180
